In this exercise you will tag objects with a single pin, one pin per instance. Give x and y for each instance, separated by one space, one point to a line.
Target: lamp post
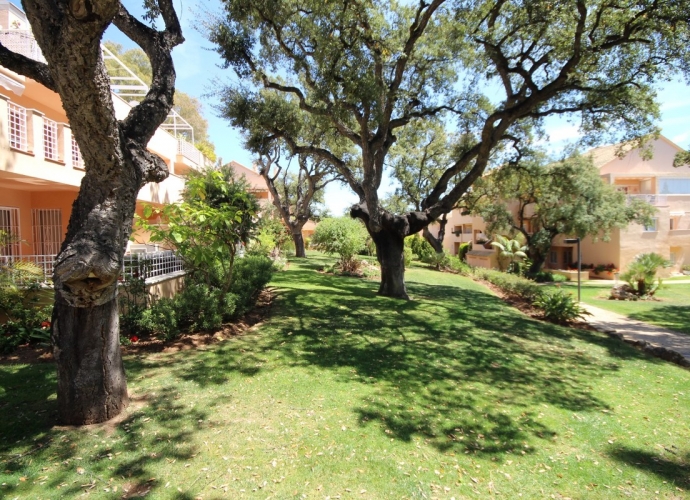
579 264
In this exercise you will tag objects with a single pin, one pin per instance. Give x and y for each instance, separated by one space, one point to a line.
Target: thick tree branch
26 66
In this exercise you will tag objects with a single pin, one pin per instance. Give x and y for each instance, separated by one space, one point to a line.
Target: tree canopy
492 70
541 200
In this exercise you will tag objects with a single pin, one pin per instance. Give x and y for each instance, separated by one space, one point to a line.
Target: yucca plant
641 273
509 251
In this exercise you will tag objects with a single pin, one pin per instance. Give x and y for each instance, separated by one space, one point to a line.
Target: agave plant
509 251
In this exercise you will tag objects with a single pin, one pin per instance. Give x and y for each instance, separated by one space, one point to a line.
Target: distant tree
496 68
341 236
541 200
187 106
295 188
91 379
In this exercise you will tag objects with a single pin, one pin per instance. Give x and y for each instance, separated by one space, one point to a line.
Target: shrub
251 275
463 249
458 266
342 236
509 283
439 261
160 319
641 273
26 320
559 278
408 255
560 307
420 247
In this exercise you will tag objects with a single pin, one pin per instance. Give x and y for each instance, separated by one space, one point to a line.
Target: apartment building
655 180
41 167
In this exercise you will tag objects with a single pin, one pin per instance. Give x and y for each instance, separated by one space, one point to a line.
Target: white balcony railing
136 265
189 151
22 42
653 199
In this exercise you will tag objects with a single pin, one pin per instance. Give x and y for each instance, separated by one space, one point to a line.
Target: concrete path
658 341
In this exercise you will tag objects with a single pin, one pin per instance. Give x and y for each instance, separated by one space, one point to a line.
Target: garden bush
26 320
463 249
342 236
560 307
509 283
420 247
408 255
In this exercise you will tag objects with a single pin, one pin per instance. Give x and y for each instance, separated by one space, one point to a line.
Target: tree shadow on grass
456 366
675 318
120 453
671 467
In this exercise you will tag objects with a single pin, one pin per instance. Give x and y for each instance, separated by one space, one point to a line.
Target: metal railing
653 199
190 152
136 265
151 265
22 42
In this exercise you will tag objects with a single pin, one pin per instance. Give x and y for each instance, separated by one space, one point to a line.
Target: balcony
657 200
190 152
22 42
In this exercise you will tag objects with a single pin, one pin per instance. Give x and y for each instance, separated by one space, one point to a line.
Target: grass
344 394
671 310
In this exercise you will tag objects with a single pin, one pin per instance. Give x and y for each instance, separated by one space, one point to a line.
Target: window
457 230
467 228
50 139
651 227
567 257
77 160
9 231
47 230
553 257
674 186
17 125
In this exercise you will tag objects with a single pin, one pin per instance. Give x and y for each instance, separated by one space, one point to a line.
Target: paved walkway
658 341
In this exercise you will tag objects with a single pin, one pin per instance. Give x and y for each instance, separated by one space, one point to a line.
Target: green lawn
671 310
344 394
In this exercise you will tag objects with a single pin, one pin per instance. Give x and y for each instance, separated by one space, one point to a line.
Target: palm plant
510 251
641 273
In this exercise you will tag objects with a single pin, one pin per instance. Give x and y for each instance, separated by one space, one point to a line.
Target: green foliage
272 235
26 320
564 197
408 256
560 307
511 284
342 236
199 306
438 260
217 214
641 273
510 251
463 249
420 247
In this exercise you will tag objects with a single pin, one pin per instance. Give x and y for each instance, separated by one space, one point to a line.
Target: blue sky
198 66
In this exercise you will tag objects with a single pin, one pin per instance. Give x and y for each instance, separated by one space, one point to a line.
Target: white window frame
17 124
46 224
77 159
50 140
9 222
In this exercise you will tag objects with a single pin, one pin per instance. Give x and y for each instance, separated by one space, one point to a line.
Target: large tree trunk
538 259
91 377
299 244
390 254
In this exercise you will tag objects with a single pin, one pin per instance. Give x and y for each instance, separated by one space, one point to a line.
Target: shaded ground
43 353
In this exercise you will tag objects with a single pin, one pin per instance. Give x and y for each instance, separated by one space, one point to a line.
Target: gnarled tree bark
91 379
